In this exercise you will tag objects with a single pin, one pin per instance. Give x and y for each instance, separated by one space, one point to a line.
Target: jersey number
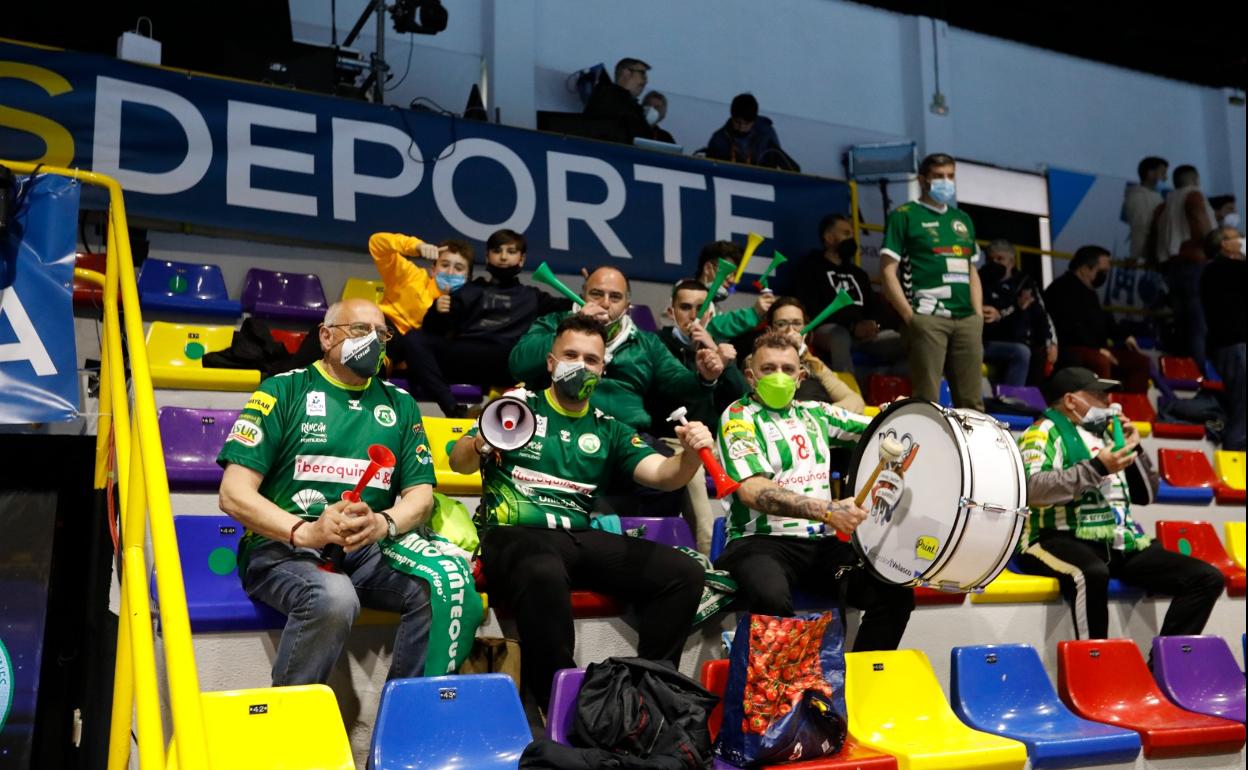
558 522
803 448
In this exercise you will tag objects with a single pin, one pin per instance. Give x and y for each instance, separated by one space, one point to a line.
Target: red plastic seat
883 388
924 595
88 294
1106 680
1199 539
292 340
1137 408
1183 374
852 756
1188 468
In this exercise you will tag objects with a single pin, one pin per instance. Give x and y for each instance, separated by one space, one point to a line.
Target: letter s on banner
59 143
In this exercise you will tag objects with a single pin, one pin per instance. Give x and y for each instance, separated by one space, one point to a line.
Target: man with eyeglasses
619 101
301 442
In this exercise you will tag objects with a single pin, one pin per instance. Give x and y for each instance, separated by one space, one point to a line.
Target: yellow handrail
138 460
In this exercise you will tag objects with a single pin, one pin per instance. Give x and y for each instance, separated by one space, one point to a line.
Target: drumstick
905 464
890 452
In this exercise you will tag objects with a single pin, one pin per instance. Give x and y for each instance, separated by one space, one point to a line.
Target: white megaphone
507 423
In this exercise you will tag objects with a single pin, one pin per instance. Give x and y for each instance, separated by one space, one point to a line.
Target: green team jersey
550 482
309 435
791 447
937 253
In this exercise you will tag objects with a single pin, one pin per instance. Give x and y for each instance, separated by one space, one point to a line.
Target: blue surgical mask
944 191
449 282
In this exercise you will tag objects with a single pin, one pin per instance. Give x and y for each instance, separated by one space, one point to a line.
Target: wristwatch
392 529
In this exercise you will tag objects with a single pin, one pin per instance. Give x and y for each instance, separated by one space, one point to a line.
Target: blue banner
38 362
257 159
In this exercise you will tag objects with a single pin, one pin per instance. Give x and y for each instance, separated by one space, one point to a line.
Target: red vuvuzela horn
724 484
379 457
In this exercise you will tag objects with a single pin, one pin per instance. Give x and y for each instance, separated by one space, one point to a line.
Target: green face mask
776 390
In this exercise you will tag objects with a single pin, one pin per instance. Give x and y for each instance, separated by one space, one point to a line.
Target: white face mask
1097 418
652 114
1231 220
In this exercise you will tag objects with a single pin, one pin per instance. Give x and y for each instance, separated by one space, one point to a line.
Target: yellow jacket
409 290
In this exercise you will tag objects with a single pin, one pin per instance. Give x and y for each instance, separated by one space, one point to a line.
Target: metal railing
128 441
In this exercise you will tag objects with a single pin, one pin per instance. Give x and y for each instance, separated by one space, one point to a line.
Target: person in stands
748 138
1223 287
408 290
788 317
618 101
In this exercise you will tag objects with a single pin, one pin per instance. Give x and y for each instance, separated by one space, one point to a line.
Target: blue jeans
1014 358
320 608
1229 362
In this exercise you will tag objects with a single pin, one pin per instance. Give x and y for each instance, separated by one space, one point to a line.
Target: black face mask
992 272
503 274
846 249
1099 279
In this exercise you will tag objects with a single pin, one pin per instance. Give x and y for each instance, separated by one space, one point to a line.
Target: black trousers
434 361
768 568
533 571
1083 569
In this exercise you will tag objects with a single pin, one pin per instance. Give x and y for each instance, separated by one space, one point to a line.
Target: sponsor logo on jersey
959 227
930 224
565 436
314 405
424 455
738 427
772 432
636 441
246 433
530 451
338 470
384 416
313 433
354 405
589 443
6 684
262 402
310 501
540 431
539 480
739 450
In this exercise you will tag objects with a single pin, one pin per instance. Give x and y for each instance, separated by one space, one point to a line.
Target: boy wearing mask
409 290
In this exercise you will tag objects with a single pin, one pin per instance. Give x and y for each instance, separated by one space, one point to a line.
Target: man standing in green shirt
536 541
929 277
301 441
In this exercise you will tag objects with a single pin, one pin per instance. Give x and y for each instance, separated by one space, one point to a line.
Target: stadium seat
1200 674
1029 395
1016 423
668 530
1185 477
1229 468
183 287
883 388
284 296
1181 373
290 340
1107 680
442 433
1235 542
277 728
945 398
87 294
562 712
1004 689
362 288
849 379
1117 590
467 721
191 439
643 318
896 706
175 352
852 756
1137 409
1198 539
463 393
1014 588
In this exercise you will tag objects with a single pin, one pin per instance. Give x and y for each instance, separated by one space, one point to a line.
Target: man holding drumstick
781 520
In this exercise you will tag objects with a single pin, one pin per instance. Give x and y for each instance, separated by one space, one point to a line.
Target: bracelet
297 525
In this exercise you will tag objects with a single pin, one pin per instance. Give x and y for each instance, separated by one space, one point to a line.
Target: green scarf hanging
1094 516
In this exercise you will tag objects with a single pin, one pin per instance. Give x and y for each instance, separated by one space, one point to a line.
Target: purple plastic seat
284 296
1200 674
668 530
562 711
1025 393
183 287
463 392
643 317
191 439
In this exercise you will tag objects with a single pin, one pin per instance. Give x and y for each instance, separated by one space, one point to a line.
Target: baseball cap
1074 378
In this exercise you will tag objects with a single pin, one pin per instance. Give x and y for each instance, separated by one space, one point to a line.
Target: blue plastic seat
182 287
1015 422
1117 589
1004 689
946 395
470 721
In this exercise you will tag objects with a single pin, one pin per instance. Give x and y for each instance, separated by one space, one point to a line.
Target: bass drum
962 504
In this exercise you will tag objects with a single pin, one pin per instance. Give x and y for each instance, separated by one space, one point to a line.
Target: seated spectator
1016 325
1183 222
290 516
1080 528
1139 205
1087 333
787 317
684 338
469 335
536 540
409 290
1224 211
724 326
655 105
748 138
618 101
1223 288
816 279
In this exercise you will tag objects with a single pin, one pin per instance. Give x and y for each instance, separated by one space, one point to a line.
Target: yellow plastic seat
1145 429
443 432
362 288
175 352
276 728
1013 588
1235 541
870 411
849 379
1230 468
896 706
